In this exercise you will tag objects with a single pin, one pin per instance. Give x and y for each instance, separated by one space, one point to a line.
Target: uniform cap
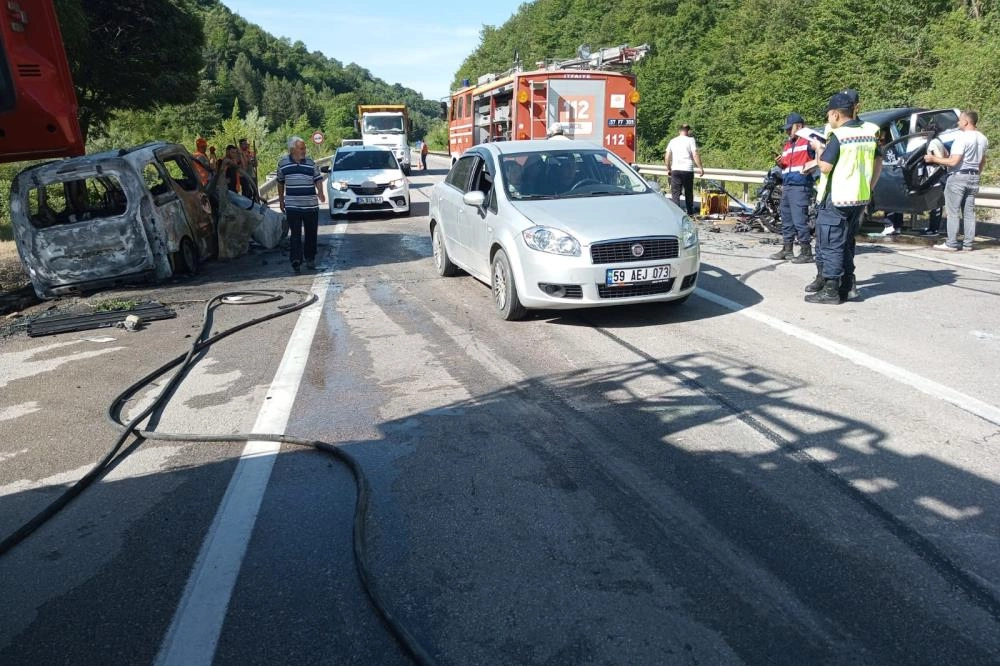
792 119
852 95
839 101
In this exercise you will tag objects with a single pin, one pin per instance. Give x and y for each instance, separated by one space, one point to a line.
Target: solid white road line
197 624
919 254
922 384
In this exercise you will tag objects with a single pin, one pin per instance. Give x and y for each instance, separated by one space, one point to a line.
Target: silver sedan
560 225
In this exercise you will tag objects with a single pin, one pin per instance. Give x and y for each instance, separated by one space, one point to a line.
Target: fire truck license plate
369 200
617 276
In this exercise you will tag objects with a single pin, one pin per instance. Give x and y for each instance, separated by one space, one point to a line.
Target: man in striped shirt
300 190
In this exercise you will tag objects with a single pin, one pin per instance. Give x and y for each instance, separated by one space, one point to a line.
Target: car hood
593 219
378 176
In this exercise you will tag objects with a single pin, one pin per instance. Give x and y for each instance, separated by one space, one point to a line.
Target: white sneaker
944 247
889 231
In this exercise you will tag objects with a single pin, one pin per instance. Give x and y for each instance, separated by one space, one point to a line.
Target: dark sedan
907 184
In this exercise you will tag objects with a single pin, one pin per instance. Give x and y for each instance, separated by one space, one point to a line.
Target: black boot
828 295
848 288
786 252
805 256
816 284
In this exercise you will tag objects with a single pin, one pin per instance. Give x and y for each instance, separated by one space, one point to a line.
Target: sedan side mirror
655 186
324 169
474 198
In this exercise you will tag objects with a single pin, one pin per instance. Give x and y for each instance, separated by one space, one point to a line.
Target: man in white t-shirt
557 132
965 164
681 158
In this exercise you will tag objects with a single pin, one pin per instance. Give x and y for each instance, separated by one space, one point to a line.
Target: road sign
317 138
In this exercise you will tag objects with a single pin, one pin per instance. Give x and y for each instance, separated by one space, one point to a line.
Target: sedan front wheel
505 298
441 260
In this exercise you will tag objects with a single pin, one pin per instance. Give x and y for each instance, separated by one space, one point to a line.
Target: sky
419 44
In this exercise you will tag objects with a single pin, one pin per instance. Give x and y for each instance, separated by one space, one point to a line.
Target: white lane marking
919 255
197 624
922 384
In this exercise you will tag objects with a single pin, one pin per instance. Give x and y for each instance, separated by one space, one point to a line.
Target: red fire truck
585 96
38 109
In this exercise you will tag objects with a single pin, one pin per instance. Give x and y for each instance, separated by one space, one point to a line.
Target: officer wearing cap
797 161
850 165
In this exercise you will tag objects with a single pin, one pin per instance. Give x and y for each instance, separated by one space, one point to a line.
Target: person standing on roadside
850 164
229 166
681 157
300 191
797 162
248 161
965 165
202 165
557 132
423 154
936 147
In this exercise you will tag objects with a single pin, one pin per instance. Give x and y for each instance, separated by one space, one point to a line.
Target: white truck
387 125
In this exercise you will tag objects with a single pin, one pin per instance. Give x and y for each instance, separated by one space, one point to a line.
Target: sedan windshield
357 160
565 173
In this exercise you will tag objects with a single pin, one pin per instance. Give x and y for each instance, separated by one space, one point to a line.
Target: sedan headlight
396 184
339 185
553 241
689 232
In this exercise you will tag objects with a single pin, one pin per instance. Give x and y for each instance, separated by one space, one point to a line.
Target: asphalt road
746 479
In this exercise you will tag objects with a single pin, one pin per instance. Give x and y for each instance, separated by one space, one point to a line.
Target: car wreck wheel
186 258
505 297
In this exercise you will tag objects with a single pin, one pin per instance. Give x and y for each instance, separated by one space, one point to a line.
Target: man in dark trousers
300 190
681 158
850 164
797 162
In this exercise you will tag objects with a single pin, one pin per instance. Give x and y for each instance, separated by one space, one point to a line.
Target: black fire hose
183 363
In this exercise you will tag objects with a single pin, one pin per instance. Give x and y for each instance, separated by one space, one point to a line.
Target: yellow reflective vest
849 184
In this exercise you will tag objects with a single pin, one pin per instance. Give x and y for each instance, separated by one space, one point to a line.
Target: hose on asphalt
131 430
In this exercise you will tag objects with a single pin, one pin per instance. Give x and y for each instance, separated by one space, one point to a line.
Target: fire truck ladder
613 58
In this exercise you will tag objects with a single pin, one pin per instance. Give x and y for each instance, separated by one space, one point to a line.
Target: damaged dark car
907 183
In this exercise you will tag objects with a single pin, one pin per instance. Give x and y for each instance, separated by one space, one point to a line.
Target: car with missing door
907 183
366 179
111 217
559 225
128 215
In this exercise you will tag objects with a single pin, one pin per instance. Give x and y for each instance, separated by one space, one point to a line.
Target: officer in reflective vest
797 162
850 165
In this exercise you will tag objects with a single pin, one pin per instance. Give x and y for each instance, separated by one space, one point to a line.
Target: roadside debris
82 321
132 323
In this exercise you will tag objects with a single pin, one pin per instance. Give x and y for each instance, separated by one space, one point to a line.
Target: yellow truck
387 125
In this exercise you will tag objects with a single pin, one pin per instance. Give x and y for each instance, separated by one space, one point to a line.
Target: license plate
369 200
617 276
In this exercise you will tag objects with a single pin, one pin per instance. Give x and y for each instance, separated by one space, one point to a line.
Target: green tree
131 55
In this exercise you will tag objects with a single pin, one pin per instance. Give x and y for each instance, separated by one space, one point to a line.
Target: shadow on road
692 505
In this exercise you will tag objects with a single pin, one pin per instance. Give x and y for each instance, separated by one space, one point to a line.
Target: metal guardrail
988 197
271 184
